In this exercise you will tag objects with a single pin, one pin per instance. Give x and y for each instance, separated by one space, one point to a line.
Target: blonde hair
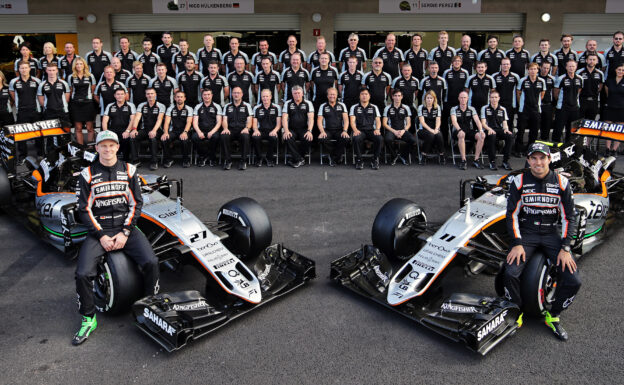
48 44
85 71
3 79
435 98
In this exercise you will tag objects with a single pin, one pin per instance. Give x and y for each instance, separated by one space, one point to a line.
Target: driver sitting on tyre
537 198
109 204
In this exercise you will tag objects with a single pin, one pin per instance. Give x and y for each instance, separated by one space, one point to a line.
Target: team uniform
322 79
378 87
98 62
519 61
479 90
430 140
494 118
207 120
443 57
455 84
26 106
270 81
81 98
127 59
256 60
391 59
6 112
613 60
178 117
547 107
615 101
55 104
492 59
298 126
590 94
313 59
333 123
237 121
563 58
465 120
34 66
437 85
397 120
189 84
43 64
568 107
292 78
244 81
149 117
204 57
119 118
164 89
350 84
506 87
178 61
469 59
365 122
267 120
137 87
229 58
582 60
65 66
217 85
530 110
550 58
106 93
418 62
284 57
149 63
166 55
346 53
409 89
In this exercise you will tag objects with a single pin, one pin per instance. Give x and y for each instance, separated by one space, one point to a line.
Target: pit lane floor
321 334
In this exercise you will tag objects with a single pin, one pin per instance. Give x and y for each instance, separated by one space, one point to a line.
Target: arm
84 205
308 135
105 122
352 122
247 125
187 128
424 125
319 124
514 204
568 225
377 130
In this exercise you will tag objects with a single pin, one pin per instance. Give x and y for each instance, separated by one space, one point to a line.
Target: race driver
109 204
537 199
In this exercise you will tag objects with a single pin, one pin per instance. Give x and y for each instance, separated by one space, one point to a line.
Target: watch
566 248
126 232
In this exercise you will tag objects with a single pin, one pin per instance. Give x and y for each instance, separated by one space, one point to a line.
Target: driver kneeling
537 198
109 204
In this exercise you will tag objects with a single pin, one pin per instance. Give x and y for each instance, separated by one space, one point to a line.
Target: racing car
243 270
405 267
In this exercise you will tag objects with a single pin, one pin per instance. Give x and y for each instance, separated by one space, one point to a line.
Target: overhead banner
202 6
430 6
614 6
14 7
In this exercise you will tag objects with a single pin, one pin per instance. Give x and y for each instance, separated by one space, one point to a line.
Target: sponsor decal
543 199
384 278
230 213
113 186
423 265
491 326
568 302
156 320
88 156
199 305
31 127
450 307
412 214
110 202
473 213
609 127
224 263
169 214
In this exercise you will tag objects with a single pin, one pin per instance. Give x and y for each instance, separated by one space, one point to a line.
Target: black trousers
226 144
390 139
207 148
174 138
137 248
511 113
431 141
337 149
568 284
589 109
135 144
491 141
358 142
564 118
298 151
532 120
546 121
257 143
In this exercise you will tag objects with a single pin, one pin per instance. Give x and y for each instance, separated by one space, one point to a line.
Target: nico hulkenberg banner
202 6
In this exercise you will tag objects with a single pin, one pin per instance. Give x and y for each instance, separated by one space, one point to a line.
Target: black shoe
186 164
212 163
153 166
555 326
394 160
242 166
375 164
462 165
136 163
296 164
442 159
201 162
259 163
506 166
227 165
493 166
403 160
270 163
516 154
168 164
477 164
332 163
359 165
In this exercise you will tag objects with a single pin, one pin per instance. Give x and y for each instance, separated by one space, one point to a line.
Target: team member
285 57
148 121
178 121
491 56
189 82
23 90
494 122
333 123
591 48
207 118
322 78
544 55
26 57
121 75
266 123
313 59
137 84
530 91
229 58
378 83
82 84
397 120
506 83
434 83
392 57
53 95
165 52
216 83
455 78
237 120
180 58
547 101
365 123
297 122
109 204
467 54
267 79
565 54
119 118
165 85
593 79
464 119
429 116
126 55
352 51
614 113
538 198
149 59
350 82
442 54
293 76
479 86
256 58
242 79
6 112
416 57
49 56
614 55
519 57
208 53
567 90
66 62
98 59
408 85
104 93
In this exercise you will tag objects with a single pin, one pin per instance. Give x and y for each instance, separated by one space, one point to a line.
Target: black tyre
393 232
5 188
118 283
538 285
251 230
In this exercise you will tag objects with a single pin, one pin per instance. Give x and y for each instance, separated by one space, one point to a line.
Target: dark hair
490 37
433 62
147 39
566 35
124 37
213 62
165 33
396 91
618 33
544 39
181 40
364 89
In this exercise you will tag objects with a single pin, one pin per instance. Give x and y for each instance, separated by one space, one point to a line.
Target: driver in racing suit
537 198
109 204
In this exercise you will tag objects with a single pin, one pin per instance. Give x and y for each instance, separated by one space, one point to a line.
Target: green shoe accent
549 319
554 325
88 325
519 321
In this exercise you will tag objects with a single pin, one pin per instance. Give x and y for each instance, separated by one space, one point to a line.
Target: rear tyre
538 284
251 232
118 283
5 189
393 230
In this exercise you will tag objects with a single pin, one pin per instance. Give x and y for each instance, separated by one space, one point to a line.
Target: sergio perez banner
202 6
429 6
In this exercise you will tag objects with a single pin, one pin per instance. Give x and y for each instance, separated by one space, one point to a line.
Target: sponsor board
429 6
202 6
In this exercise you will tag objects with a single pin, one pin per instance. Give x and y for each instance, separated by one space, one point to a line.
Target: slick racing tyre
250 231
538 284
118 283
5 189
396 228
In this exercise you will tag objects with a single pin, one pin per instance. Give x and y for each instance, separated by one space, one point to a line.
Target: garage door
38 24
593 24
257 22
429 22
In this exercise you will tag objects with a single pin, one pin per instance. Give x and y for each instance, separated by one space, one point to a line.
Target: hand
125 135
490 131
399 133
516 254
225 131
287 135
507 132
345 134
256 133
376 132
184 135
564 259
436 131
308 136
152 134
164 136
107 243
322 135
134 133
356 132
245 131
120 241
273 133
201 135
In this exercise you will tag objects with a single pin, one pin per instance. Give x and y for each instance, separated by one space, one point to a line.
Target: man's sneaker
441 159
359 165
168 164
519 321
462 165
296 164
493 166
186 164
270 163
375 164
88 325
201 162
259 162
394 160
477 164
332 163
153 166
227 165
242 166
555 326
212 163
506 166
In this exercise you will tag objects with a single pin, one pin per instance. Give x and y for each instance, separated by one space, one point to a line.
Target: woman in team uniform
614 111
82 84
430 119
49 56
6 110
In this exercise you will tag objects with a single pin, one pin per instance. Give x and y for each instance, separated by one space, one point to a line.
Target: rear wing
597 129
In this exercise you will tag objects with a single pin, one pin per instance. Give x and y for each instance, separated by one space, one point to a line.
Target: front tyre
250 232
538 284
118 283
396 228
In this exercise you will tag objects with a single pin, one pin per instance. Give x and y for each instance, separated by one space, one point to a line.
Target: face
533 72
47 49
179 98
324 60
189 65
266 65
364 97
150 95
207 97
377 64
116 63
161 71
416 41
463 98
456 64
494 98
571 66
124 44
465 42
591 45
208 41
297 95
120 96
234 45
320 45
69 49
292 42
107 150
166 39
147 46
237 94
443 39
618 39
184 46
266 97
429 100
592 61
264 47
295 61
397 98
481 68
433 69
505 65
353 42
332 96
544 46
390 42
239 65
352 63
539 162
518 42
96 44
25 51
492 43
52 72
566 42
406 71
545 68
138 70
619 72
79 66
24 70
109 74
213 69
